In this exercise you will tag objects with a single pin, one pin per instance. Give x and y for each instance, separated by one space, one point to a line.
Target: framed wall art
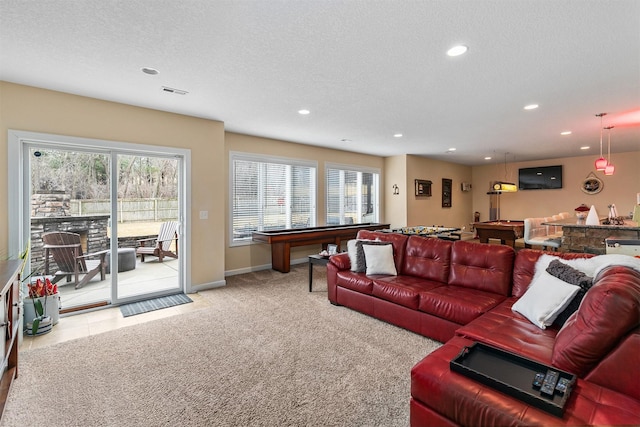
423 188
447 186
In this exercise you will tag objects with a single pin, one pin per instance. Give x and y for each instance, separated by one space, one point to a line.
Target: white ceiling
366 69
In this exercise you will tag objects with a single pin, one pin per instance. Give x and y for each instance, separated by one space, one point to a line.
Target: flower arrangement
42 288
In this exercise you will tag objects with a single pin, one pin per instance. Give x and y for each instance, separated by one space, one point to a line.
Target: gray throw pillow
570 275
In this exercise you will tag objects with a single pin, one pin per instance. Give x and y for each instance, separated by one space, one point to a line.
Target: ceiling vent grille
174 90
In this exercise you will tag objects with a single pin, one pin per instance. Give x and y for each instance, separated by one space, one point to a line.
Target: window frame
359 169
266 159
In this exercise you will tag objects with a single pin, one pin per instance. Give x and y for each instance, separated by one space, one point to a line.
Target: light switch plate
204 214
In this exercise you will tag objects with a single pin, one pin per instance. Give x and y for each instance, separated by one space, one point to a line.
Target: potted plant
40 306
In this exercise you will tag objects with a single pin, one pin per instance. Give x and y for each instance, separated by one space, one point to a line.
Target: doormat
153 304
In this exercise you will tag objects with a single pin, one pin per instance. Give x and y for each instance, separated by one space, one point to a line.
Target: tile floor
83 325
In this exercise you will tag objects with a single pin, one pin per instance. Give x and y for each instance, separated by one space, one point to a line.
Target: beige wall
620 188
244 258
428 210
395 210
37 110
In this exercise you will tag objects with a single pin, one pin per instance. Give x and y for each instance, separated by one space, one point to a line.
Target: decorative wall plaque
423 187
447 186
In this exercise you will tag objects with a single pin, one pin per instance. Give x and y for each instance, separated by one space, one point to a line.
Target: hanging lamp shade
601 164
609 170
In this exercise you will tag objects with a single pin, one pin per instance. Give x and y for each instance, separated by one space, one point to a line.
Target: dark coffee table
315 260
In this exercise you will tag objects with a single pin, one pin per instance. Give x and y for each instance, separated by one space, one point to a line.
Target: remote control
549 382
562 385
537 381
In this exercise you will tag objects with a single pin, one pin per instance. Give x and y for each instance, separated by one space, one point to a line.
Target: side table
315 260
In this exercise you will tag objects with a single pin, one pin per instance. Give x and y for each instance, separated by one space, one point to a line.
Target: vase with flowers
41 308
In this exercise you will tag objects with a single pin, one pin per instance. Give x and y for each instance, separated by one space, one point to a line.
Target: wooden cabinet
9 324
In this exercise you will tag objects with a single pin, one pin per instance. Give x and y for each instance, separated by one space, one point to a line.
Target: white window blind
352 195
269 194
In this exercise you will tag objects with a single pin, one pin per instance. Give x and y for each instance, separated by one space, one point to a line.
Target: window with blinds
270 193
352 195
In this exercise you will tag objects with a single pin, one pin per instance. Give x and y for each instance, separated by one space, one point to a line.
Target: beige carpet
265 353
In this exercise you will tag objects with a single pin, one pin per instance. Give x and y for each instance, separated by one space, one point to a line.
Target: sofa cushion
428 258
379 258
458 304
403 290
608 311
482 266
545 299
503 328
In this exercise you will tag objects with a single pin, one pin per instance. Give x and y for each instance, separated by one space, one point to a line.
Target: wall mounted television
540 178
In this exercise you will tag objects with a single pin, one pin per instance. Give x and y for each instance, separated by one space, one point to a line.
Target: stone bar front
579 237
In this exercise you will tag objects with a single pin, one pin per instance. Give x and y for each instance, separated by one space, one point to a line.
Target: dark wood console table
10 322
283 240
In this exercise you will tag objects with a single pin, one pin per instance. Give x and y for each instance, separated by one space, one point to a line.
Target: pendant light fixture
610 168
601 163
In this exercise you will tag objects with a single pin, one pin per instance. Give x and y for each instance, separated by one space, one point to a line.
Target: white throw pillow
546 297
379 259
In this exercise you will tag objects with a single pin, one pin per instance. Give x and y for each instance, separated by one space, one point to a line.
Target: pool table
282 240
505 230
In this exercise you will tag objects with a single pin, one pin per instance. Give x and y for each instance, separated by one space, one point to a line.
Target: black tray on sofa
511 374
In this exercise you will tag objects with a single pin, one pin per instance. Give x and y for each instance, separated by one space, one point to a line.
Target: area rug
263 351
153 304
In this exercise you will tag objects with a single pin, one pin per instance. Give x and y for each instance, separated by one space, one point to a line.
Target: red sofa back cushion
482 266
399 242
428 258
609 310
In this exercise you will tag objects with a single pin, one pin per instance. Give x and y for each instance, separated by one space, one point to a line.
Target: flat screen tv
540 178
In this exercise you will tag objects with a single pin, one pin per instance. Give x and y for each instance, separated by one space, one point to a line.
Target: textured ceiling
365 69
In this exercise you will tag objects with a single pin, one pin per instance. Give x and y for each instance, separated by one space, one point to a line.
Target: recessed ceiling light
345 140
303 112
531 106
174 90
487 158
397 135
457 50
150 71
451 149
585 147
566 132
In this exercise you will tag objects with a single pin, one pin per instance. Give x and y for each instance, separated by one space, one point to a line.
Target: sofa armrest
341 261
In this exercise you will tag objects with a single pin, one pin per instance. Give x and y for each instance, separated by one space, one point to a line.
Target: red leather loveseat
462 292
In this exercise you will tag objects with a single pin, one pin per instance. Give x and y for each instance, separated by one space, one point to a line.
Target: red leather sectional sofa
462 292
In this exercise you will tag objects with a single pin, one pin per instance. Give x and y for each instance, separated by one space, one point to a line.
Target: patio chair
162 247
66 250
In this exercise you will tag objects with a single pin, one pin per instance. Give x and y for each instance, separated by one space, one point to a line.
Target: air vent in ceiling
174 90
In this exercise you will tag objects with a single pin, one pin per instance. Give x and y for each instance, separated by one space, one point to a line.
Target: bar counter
580 237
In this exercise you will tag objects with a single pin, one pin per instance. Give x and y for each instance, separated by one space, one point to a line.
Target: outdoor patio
150 276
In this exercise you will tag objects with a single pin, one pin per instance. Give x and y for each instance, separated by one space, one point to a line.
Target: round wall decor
592 184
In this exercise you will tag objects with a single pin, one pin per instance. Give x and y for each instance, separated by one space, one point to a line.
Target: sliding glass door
148 219
88 208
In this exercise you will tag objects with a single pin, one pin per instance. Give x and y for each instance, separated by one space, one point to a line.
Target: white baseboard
261 267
